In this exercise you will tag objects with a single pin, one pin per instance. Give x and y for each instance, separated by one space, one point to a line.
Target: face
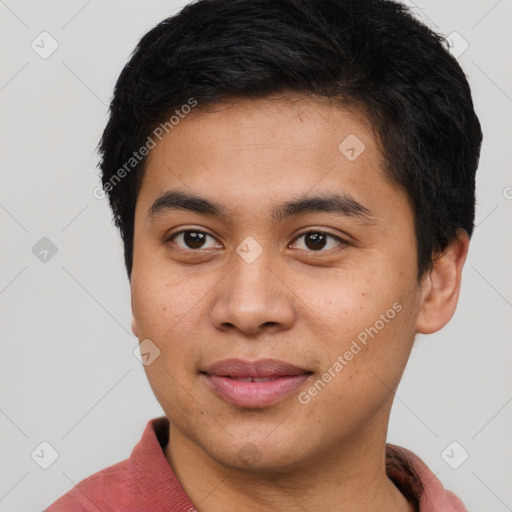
282 299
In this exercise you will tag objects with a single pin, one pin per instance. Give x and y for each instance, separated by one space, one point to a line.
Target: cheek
164 313
363 368
159 304
345 306
369 323
164 321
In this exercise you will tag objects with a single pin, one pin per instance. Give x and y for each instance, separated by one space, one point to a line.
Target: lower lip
255 394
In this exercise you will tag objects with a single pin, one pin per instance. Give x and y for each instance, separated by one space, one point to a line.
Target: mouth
254 384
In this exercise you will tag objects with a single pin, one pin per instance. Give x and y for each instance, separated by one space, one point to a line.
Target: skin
293 303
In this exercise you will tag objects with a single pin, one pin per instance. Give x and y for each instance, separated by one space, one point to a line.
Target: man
294 184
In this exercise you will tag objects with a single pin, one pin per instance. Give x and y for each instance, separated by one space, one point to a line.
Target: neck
348 478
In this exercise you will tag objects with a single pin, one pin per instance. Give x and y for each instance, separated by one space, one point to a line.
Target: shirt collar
154 485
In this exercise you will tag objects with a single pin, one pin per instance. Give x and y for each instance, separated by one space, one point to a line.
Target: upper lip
238 368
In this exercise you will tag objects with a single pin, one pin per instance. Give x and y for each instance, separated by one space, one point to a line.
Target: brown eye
315 241
319 241
192 239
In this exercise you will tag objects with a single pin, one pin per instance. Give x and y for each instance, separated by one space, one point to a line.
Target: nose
253 298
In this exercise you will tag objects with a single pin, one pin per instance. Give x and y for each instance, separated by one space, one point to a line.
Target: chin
253 456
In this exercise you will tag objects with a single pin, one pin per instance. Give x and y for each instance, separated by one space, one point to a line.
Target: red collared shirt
146 482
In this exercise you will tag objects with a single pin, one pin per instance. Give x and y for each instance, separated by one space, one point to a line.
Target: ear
440 288
135 328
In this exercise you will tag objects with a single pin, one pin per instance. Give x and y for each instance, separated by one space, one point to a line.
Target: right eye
191 240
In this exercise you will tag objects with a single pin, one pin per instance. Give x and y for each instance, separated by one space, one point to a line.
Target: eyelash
342 243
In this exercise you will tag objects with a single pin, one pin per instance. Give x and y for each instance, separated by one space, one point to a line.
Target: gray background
68 373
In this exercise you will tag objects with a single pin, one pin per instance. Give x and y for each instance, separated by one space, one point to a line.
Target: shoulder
145 477
105 490
418 483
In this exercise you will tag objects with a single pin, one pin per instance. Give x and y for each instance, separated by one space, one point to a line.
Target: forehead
295 122
242 150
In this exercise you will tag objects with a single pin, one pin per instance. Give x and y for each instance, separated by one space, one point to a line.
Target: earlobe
440 288
135 328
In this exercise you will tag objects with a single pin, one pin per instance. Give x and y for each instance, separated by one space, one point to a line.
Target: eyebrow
339 204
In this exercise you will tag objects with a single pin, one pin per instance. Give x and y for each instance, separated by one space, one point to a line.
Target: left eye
318 241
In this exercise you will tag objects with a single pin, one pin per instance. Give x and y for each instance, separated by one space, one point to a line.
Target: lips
254 384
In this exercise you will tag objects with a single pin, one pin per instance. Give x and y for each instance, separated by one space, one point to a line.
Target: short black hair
372 55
